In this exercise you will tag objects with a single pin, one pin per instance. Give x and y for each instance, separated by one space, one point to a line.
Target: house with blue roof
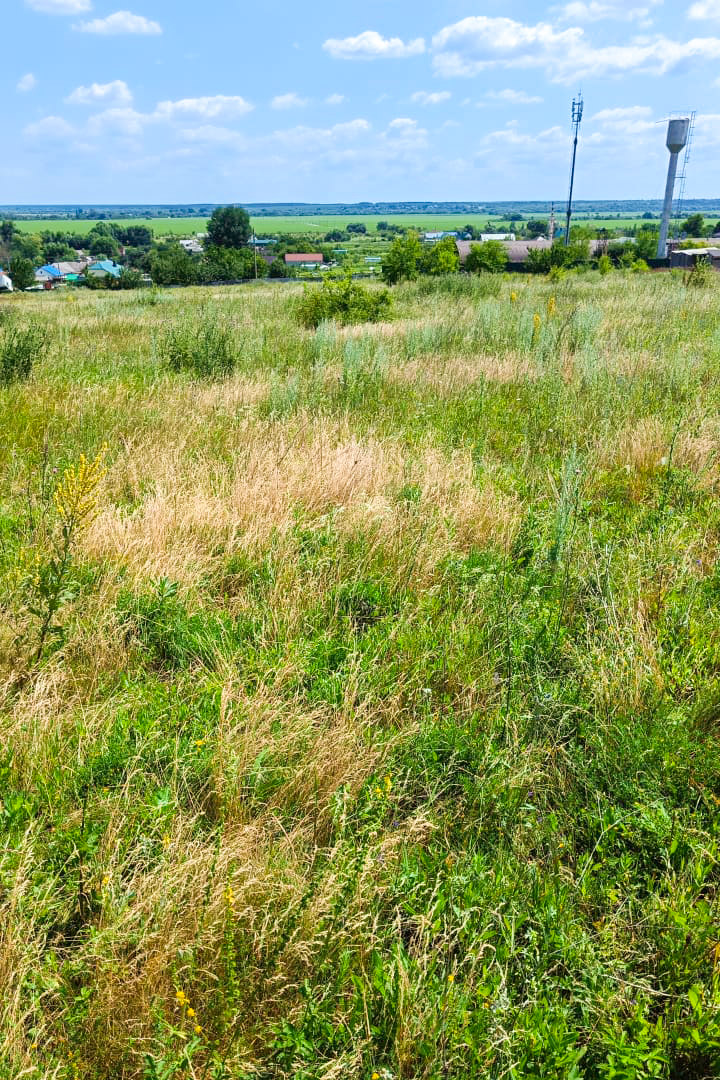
104 268
48 275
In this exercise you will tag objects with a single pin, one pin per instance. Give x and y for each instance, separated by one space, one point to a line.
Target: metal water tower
677 136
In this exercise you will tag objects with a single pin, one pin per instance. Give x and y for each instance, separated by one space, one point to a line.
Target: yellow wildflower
551 306
106 880
191 1013
198 1029
451 979
388 782
376 1076
513 297
75 497
181 998
229 896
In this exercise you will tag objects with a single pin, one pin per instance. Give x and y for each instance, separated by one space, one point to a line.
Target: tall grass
381 735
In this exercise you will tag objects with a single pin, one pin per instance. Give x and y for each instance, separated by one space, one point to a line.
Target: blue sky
169 101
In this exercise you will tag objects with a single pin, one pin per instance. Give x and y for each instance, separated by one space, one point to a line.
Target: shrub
21 273
488 258
206 348
702 275
19 346
605 264
344 301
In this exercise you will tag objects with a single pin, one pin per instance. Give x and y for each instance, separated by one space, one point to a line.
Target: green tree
646 243
229 264
402 260
440 258
173 266
102 244
535 228
21 272
229 227
694 225
488 258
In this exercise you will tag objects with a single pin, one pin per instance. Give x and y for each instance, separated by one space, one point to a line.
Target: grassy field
361 709
309 225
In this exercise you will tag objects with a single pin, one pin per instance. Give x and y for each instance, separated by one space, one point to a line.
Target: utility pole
255 249
577 114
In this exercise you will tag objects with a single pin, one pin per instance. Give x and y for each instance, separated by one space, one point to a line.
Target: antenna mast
577 115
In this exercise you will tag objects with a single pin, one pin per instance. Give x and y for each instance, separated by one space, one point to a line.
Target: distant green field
270 226
160 226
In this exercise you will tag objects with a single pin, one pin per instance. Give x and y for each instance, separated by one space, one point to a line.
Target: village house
304 261
104 268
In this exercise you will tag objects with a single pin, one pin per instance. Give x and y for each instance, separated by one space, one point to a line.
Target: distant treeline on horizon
626 207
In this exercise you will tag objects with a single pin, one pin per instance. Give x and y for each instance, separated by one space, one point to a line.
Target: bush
205 348
488 258
605 264
19 346
702 275
345 302
21 273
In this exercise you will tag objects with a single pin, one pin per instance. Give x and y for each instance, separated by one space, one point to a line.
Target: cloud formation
704 9
207 108
121 22
423 97
513 97
112 93
27 83
60 7
480 43
290 100
597 10
373 46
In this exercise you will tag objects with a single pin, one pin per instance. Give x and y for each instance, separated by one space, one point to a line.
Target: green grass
378 722
270 226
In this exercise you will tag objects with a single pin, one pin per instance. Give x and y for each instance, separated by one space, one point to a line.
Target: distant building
6 284
192 246
506 237
691 256
48 275
517 250
433 237
104 268
304 261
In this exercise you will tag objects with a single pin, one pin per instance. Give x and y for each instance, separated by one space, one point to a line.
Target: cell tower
577 115
677 137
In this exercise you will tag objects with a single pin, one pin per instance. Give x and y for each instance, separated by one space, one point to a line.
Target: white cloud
121 22
479 43
631 120
207 108
334 99
704 9
406 132
595 10
125 122
215 135
513 97
112 93
28 82
50 128
422 97
290 100
373 46
307 138
60 7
